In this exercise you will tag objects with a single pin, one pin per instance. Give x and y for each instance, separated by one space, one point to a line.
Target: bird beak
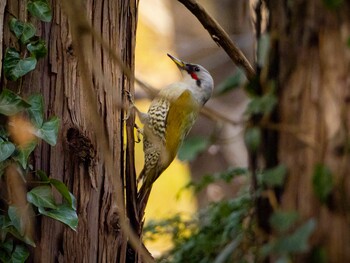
178 62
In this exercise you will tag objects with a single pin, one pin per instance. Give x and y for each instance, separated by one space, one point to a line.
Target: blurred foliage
192 147
322 182
227 231
274 176
252 138
196 240
232 82
332 4
225 176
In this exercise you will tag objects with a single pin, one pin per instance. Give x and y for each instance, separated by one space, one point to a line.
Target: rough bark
76 159
313 76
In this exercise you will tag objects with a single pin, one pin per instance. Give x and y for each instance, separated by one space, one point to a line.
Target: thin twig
219 35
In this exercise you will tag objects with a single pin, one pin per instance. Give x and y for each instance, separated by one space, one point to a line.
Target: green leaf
332 4
252 138
20 254
40 9
6 250
15 67
62 188
15 218
283 221
294 243
231 83
43 177
298 241
263 49
192 147
11 103
42 196
22 30
322 182
7 227
262 105
36 110
24 66
274 176
6 149
49 131
64 214
37 48
23 153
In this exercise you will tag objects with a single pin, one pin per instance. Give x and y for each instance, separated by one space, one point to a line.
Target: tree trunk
77 158
313 75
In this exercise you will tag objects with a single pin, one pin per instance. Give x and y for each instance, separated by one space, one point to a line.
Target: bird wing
182 114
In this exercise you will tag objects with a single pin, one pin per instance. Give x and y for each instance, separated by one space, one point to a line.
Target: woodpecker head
199 79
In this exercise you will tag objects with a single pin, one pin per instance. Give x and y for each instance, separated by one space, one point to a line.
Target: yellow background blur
153 42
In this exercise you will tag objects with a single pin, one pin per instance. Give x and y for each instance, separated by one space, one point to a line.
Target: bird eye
196 69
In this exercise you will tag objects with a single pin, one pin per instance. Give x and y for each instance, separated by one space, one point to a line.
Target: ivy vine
29 192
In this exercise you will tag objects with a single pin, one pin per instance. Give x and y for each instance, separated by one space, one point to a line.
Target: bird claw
139 132
129 96
131 100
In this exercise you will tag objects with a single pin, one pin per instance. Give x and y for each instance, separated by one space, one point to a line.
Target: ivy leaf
64 214
22 30
252 138
11 103
23 153
262 105
274 176
49 131
298 241
6 250
15 67
43 177
231 83
37 48
15 217
192 147
282 221
20 254
62 188
293 243
40 9
322 182
42 196
6 149
36 110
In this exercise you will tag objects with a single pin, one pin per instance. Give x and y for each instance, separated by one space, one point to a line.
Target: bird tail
143 193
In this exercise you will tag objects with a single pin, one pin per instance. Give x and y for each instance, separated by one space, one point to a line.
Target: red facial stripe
194 76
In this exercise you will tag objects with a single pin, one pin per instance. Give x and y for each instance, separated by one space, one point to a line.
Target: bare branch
219 35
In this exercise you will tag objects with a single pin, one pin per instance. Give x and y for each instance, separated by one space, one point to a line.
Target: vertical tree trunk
313 75
77 160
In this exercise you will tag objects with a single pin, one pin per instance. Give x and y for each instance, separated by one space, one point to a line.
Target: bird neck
200 89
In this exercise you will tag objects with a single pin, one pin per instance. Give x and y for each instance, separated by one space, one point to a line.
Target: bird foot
131 106
139 133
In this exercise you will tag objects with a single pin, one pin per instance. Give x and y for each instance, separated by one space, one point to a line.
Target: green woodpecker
170 117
